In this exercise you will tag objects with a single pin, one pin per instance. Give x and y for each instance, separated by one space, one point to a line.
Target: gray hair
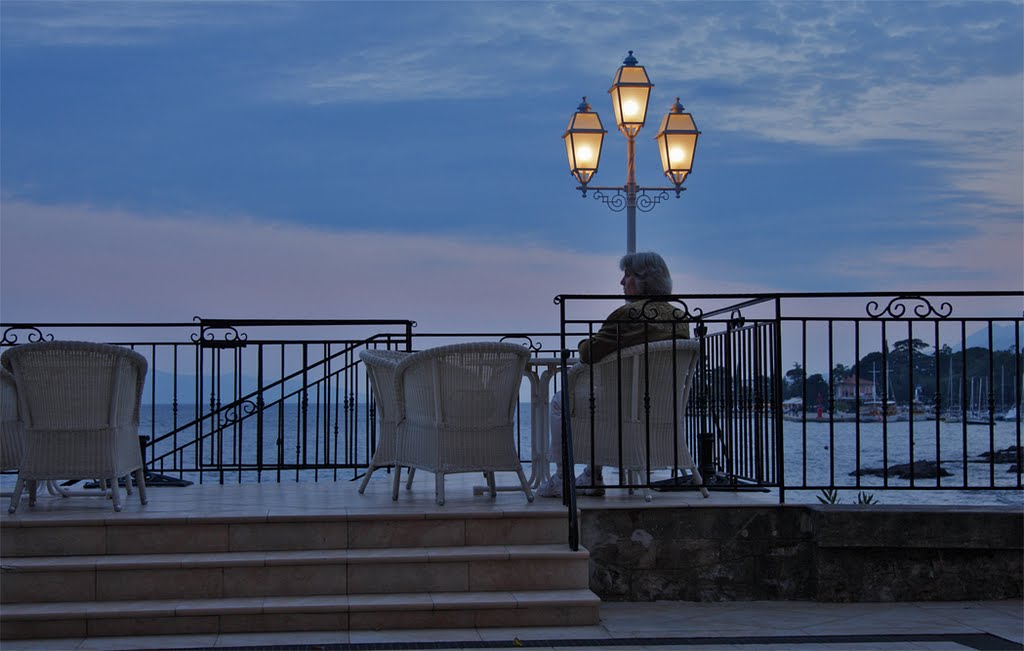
650 270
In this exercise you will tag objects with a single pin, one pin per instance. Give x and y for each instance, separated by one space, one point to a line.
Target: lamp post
677 142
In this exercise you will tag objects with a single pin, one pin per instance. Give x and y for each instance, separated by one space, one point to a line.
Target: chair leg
16 495
526 484
639 476
366 478
408 481
395 482
439 488
33 487
115 494
688 459
699 479
491 484
140 479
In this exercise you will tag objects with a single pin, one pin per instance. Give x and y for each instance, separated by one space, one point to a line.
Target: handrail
754 340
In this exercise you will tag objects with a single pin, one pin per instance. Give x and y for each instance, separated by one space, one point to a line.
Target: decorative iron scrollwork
897 307
647 310
684 313
646 202
207 336
736 320
528 344
616 202
642 311
237 412
33 335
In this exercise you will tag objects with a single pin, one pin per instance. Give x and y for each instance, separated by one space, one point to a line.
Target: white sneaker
585 480
552 486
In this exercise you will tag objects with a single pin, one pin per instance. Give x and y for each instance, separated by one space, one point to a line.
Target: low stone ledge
800 552
932 527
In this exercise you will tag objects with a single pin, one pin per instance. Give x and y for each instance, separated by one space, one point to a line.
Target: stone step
128 534
485 568
577 607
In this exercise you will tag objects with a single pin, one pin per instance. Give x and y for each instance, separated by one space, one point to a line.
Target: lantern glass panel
677 141
630 93
583 141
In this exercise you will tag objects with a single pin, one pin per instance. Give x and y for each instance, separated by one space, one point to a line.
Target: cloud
990 256
76 263
114 23
975 127
839 75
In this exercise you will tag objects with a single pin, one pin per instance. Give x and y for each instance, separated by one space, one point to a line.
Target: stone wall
800 552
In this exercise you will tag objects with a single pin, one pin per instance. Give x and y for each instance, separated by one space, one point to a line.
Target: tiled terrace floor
749 626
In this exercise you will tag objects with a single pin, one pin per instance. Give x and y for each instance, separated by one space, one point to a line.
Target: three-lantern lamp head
630 94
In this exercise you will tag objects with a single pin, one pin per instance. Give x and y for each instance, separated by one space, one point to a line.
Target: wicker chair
12 433
646 372
79 404
456 405
380 365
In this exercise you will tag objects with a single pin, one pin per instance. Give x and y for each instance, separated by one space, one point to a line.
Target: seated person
643 274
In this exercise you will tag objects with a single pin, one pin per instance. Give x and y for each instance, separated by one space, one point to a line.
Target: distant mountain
1002 337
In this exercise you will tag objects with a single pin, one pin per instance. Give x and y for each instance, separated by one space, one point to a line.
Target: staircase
122 574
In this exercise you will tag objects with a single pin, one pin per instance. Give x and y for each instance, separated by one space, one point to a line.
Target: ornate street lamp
677 142
631 91
583 139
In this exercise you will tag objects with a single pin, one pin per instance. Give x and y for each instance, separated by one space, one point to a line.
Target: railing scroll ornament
237 411
33 335
736 320
207 336
897 308
528 342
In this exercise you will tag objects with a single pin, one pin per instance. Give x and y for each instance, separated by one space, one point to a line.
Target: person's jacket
632 324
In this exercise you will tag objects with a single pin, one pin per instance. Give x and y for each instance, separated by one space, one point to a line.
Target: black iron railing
858 392
796 393
247 400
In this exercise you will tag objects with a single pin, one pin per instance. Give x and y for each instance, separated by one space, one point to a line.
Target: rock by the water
921 470
1014 468
1012 454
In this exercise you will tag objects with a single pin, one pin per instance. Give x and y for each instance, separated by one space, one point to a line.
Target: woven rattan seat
12 432
456 408
380 366
658 374
79 403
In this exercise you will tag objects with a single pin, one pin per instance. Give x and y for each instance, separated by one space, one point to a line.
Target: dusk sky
404 160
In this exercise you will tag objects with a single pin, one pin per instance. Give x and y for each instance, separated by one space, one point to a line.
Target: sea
816 453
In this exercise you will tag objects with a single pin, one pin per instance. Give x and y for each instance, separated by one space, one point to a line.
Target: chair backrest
381 364
12 432
74 385
652 384
471 384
